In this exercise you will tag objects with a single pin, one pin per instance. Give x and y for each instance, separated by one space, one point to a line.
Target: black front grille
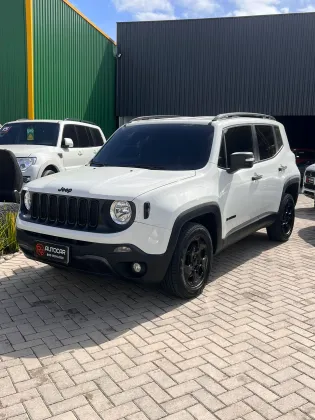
310 173
309 186
71 212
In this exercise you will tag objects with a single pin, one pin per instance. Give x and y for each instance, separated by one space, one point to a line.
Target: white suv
162 197
45 147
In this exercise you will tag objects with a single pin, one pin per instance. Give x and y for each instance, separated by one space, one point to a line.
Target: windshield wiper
152 167
98 165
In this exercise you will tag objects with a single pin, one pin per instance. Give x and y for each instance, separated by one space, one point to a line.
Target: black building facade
208 66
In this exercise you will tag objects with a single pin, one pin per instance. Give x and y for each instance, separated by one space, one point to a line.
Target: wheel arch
292 187
50 167
208 215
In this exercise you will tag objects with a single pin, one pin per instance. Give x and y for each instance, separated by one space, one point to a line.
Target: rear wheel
190 267
48 172
282 228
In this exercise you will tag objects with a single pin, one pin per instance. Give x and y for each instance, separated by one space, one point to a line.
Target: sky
105 13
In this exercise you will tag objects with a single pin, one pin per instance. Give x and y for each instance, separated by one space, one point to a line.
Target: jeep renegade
163 196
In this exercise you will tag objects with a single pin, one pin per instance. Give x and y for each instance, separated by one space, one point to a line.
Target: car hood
108 182
25 150
311 167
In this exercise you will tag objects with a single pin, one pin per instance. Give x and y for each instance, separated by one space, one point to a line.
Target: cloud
154 16
307 9
174 9
136 6
147 10
165 9
256 7
201 8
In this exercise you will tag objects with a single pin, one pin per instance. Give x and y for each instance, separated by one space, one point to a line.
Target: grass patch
8 242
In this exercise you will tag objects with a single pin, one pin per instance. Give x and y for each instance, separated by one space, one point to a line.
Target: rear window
97 139
171 147
266 141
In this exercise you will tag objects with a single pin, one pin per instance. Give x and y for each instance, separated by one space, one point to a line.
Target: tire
48 172
282 228
189 283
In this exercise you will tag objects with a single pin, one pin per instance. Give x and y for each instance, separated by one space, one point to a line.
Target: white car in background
309 181
45 147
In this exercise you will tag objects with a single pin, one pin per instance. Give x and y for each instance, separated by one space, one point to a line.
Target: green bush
8 242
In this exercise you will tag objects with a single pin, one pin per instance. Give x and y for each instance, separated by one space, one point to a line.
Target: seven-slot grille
71 212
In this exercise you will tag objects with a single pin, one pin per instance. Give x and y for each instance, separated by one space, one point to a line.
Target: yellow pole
30 58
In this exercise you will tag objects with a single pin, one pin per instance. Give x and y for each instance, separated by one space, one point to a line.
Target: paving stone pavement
74 346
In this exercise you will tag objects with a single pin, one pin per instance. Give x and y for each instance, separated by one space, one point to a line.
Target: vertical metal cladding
13 77
74 67
208 66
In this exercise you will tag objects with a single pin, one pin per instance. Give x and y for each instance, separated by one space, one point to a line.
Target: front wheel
190 267
282 228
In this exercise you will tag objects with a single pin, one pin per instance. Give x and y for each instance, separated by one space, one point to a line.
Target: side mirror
67 143
241 160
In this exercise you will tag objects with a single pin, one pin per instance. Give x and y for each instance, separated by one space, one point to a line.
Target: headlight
121 212
25 163
27 200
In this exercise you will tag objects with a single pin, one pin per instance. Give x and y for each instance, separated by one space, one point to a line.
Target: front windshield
30 133
172 147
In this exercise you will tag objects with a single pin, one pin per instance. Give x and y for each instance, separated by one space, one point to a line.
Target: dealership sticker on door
52 252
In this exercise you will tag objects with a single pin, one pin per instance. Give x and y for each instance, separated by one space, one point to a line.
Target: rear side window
279 140
96 137
238 139
266 141
84 140
70 133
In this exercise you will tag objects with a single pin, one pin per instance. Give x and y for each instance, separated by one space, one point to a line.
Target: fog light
122 249
136 267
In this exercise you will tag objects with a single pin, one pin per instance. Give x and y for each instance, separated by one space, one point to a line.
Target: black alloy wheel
196 262
288 218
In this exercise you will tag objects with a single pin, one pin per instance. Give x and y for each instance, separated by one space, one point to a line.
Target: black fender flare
294 180
187 216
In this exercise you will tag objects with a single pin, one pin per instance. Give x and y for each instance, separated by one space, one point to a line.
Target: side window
279 140
70 133
238 139
266 141
96 136
222 156
83 137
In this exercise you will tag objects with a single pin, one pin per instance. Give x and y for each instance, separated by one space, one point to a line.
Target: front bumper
30 174
100 258
309 192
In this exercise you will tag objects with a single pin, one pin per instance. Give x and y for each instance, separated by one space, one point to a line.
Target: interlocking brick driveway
81 347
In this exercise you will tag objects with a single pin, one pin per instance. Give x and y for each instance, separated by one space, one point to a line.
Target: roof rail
82 121
22 119
153 117
242 114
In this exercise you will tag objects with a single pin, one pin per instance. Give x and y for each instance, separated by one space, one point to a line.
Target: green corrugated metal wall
74 67
13 78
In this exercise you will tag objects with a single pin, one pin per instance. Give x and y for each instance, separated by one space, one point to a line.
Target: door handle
282 168
80 153
256 177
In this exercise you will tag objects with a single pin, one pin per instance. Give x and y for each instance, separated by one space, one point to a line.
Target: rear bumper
100 258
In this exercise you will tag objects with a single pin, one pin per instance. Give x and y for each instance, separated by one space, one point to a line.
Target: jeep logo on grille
66 190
